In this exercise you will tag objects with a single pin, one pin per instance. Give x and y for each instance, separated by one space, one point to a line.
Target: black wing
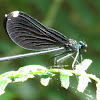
30 34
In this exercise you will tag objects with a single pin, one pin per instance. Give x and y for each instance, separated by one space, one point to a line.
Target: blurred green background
76 19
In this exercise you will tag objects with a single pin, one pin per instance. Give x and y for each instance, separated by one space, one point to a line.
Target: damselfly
30 34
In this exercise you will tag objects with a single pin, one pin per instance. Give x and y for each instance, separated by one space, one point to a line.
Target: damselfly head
82 45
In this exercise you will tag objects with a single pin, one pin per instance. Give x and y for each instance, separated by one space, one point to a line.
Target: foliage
46 75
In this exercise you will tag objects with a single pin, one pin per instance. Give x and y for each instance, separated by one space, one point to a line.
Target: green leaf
20 76
83 82
84 65
64 78
33 68
98 91
45 80
3 83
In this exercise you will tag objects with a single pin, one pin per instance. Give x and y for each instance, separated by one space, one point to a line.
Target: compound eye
85 46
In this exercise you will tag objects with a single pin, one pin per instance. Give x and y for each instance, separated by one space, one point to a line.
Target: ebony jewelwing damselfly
30 34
